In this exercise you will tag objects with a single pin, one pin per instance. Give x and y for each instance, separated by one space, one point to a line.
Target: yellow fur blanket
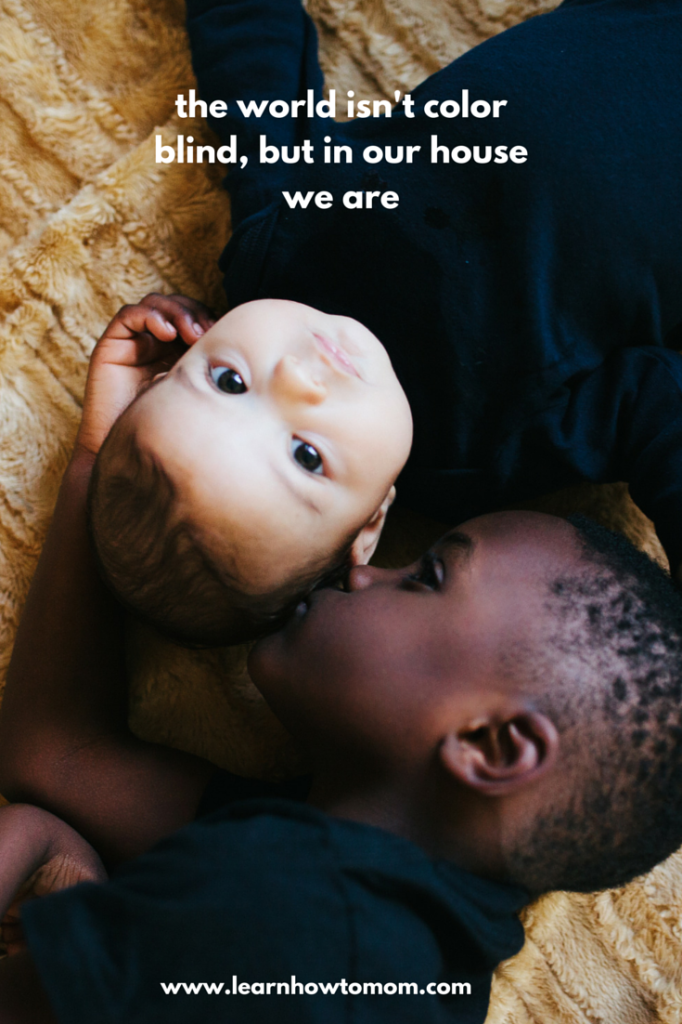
88 222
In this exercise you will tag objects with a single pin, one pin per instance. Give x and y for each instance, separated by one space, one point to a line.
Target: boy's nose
362 577
293 380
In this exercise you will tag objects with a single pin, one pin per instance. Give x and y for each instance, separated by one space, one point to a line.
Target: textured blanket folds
88 222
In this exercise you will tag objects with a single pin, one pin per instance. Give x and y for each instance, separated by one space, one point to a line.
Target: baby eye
228 380
306 456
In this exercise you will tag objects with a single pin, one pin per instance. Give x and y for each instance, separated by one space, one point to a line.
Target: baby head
511 702
262 461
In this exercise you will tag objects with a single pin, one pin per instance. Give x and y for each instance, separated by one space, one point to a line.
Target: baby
529 308
499 719
262 460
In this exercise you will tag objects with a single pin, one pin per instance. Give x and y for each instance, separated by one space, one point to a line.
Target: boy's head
512 701
262 461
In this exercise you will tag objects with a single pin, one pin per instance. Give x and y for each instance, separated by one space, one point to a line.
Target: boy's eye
228 380
306 456
429 573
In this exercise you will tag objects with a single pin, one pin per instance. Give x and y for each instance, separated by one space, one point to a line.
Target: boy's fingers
149 348
162 324
150 351
134 320
163 317
191 318
201 312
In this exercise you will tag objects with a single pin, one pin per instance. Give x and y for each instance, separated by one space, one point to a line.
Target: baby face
282 430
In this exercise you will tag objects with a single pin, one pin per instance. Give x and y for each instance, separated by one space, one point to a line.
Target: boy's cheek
267 662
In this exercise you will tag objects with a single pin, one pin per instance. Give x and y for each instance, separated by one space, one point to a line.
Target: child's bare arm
64 739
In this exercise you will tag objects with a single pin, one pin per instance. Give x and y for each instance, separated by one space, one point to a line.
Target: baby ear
366 541
499 756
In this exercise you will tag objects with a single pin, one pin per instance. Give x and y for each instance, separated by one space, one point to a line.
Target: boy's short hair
156 564
612 674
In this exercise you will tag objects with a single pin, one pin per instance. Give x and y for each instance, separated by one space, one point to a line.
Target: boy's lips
336 354
304 607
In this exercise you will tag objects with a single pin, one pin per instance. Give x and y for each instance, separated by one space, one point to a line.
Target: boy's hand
60 872
141 342
44 848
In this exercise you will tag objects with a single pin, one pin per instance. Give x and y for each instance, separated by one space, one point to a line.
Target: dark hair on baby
157 566
615 660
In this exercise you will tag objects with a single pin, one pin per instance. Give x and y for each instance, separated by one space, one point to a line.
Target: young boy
526 286
504 713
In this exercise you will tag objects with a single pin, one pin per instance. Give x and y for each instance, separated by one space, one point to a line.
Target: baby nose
294 380
362 577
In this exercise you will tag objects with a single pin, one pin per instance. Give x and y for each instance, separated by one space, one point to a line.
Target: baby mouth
338 356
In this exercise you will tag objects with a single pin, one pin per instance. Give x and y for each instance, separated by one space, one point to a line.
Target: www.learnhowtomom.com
312 988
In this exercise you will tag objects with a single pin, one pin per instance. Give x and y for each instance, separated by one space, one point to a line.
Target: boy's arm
621 421
64 739
255 50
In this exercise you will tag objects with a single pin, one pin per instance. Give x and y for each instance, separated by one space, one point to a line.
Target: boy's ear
496 757
366 541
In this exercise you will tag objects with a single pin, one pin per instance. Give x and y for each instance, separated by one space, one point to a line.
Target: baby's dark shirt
530 309
263 890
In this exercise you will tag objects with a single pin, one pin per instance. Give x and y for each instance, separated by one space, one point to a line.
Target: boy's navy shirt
531 309
265 890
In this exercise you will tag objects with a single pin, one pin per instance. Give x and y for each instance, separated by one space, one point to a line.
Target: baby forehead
273 312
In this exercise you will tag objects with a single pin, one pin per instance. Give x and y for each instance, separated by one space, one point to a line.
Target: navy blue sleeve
273 896
254 50
621 421
219 899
